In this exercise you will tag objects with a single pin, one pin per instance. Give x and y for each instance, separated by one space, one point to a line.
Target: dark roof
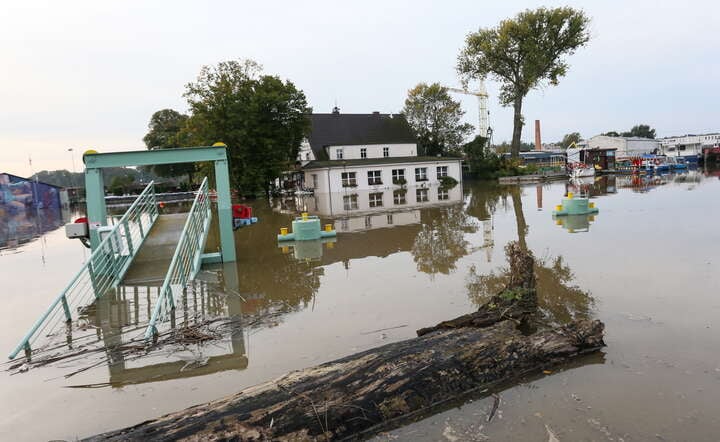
376 161
357 129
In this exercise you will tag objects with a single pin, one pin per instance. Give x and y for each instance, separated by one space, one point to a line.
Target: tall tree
524 53
569 139
168 129
436 119
261 118
641 130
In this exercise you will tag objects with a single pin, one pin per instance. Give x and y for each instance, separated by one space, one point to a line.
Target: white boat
580 170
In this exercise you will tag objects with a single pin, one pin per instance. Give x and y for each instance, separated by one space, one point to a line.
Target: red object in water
161 204
81 220
241 211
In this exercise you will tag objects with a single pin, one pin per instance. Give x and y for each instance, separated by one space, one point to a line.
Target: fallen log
381 388
370 391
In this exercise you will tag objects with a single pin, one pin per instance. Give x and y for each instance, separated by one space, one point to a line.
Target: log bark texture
378 389
366 392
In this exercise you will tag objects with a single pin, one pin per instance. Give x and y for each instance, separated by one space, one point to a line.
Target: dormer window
338 154
386 152
363 152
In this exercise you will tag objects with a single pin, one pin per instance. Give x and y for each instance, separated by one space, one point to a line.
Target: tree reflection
441 240
559 300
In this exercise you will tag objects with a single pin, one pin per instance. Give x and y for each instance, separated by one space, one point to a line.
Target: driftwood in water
381 388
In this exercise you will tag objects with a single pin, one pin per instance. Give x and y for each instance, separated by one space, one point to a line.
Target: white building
626 146
368 152
688 146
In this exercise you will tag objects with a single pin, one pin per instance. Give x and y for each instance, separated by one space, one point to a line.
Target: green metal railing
103 270
186 260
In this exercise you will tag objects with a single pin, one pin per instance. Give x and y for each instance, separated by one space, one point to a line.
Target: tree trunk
382 388
517 127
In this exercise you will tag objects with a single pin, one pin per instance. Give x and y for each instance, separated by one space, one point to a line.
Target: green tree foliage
168 129
436 119
482 160
261 118
120 184
641 130
569 139
612 133
524 53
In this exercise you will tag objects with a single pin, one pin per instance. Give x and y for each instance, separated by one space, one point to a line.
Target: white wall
333 204
330 179
373 151
305 154
625 146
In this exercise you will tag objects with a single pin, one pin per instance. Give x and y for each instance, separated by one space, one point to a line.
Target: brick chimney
538 142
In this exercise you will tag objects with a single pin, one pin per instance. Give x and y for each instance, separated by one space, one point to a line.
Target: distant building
347 152
689 146
625 146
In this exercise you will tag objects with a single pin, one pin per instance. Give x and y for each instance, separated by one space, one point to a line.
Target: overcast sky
89 74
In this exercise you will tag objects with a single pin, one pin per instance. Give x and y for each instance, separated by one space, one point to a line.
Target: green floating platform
306 228
575 206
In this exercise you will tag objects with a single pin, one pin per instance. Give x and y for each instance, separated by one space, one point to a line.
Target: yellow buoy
219 144
283 231
558 208
90 152
304 216
571 195
591 205
328 227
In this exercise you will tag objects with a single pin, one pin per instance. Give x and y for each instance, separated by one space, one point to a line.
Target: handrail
185 262
104 268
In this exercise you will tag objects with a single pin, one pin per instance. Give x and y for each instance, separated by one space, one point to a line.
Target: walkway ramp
153 259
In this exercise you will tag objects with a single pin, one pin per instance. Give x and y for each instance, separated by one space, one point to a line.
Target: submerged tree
436 119
524 53
261 118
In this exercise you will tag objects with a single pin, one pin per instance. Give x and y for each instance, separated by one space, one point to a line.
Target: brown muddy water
648 265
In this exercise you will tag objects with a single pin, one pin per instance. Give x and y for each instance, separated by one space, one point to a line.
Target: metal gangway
115 247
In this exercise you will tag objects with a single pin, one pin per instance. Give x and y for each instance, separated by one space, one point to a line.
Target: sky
80 75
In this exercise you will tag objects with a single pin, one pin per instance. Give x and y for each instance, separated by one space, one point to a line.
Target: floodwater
647 265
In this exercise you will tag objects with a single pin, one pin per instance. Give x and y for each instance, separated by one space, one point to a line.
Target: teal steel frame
95 194
103 270
186 260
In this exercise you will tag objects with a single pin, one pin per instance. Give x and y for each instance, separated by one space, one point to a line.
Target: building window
339 154
389 219
441 171
363 152
374 177
376 199
348 179
368 221
443 195
315 180
399 197
421 195
398 176
307 156
421 174
350 202
386 152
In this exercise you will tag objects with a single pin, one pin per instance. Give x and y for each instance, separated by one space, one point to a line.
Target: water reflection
559 300
575 223
20 225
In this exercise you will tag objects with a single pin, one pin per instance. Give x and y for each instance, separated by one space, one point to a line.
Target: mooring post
95 201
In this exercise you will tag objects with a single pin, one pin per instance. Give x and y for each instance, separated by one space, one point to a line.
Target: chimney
336 110
538 142
376 113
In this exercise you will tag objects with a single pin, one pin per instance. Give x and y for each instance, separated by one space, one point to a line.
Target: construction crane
483 114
